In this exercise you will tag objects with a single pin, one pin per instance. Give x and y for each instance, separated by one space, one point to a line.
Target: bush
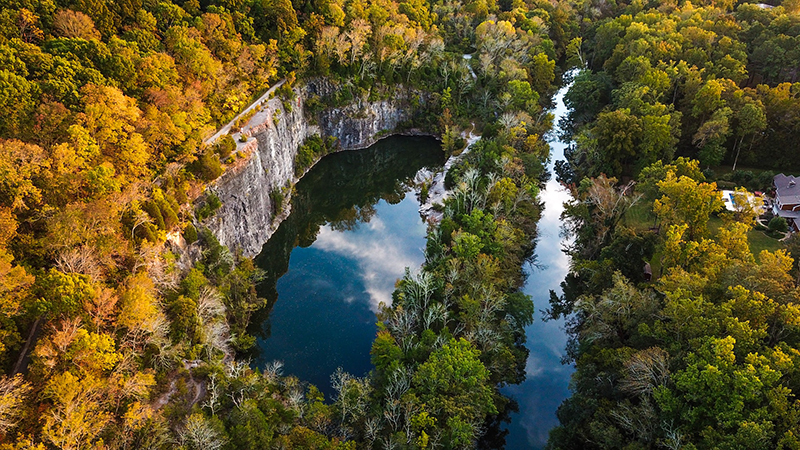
225 146
764 180
778 224
207 167
217 260
155 212
286 92
209 206
190 233
244 120
311 150
184 320
742 177
276 196
168 214
726 185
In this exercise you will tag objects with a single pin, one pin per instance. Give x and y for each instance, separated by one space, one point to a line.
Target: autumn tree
685 201
74 24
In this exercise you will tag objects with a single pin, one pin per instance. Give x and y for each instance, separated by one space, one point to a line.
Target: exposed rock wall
245 221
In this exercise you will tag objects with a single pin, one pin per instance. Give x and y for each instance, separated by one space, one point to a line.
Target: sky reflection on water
325 316
547 380
353 230
381 248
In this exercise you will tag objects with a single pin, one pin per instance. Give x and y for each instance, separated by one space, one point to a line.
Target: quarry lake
353 229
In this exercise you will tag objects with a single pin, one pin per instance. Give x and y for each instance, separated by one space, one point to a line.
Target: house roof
794 215
787 189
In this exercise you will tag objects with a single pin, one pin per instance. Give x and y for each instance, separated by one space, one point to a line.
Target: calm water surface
353 229
547 380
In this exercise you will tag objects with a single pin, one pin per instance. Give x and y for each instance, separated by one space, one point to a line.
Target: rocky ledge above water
247 218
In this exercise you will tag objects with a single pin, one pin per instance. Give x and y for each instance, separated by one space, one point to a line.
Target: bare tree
74 24
645 371
13 392
198 434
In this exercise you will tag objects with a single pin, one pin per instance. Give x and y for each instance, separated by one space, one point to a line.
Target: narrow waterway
353 229
547 380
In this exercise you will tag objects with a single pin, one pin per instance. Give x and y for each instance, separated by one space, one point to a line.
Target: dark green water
353 229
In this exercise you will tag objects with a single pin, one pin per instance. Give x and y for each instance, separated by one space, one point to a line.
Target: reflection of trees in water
342 190
349 218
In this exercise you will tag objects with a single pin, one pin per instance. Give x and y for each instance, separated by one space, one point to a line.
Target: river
547 380
353 229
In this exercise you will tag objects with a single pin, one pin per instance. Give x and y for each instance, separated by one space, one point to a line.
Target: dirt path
193 386
25 353
227 128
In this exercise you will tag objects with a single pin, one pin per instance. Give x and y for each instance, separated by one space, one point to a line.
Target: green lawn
640 217
759 241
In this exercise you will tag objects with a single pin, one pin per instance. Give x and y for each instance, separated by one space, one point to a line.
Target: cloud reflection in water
382 247
547 381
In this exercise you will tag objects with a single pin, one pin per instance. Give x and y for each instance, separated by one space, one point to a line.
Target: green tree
752 119
711 136
617 133
453 383
18 98
685 201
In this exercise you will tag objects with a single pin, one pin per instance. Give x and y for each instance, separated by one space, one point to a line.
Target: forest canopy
109 339
682 331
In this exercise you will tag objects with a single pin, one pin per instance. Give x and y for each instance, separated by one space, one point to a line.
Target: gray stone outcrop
245 221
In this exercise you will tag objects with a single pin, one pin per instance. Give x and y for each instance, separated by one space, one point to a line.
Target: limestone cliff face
245 221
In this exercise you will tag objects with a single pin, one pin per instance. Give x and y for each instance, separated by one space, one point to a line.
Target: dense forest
715 82
109 340
700 351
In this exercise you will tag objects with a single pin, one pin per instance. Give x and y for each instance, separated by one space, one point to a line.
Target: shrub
311 150
184 320
764 180
225 146
217 260
207 167
155 212
168 214
244 120
778 224
742 177
276 196
190 233
208 207
286 92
